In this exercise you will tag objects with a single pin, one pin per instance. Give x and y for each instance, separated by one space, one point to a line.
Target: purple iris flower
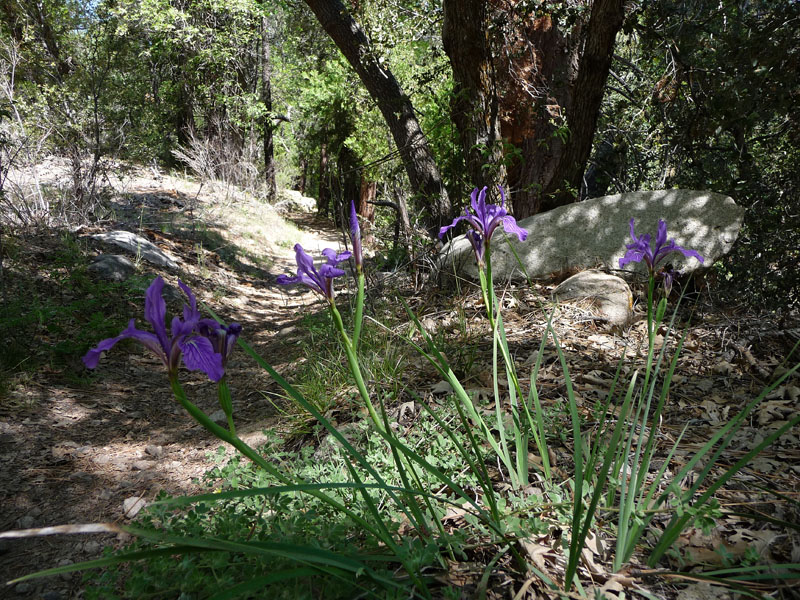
641 249
321 281
222 337
484 219
355 236
184 342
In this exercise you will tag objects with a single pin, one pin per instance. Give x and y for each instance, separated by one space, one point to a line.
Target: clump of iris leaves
369 512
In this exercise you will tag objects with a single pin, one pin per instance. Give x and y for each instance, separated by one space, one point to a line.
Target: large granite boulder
593 234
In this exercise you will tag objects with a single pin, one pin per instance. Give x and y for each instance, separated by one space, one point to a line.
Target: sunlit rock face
593 234
138 246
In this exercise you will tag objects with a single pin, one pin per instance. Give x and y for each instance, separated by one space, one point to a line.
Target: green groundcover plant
370 519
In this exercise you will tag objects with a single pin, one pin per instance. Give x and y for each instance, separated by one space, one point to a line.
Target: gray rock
139 246
142 465
111 267
92 547
22 588
219 417
153 450
63 563
131 506
26 522
593 234
81 477
292 201
608 297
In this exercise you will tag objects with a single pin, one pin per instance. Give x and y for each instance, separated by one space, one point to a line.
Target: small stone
142 465
35 511
63 563
123 537
605 297
132 505
105 495
287 331
92 547
112 267
22 588
26 522
81 476
101 459
219 417
153 450
52 595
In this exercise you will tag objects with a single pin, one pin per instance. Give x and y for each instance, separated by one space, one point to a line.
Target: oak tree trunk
395 107
366 199
266 99
474 105
541 83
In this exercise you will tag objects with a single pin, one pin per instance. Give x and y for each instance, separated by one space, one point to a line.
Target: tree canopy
420 101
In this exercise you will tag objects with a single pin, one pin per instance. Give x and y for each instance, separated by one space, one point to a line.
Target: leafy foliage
704 97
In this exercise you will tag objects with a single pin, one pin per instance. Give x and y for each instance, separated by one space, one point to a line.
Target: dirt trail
77 455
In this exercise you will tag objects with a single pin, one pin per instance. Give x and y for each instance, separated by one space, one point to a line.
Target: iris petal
455 222
510 226
92 357
155 310
199 355
355 235
190 312
151 341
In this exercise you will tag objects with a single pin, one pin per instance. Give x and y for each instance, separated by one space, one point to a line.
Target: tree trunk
324 192
396 108
266 98
587 95
350 181
544 86
366 208
474 106
300 186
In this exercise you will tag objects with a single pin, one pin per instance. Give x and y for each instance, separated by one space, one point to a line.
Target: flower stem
487 286
232 439
359 314
355 368
224 395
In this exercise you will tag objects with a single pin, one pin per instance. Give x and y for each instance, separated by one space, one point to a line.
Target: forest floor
74 450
